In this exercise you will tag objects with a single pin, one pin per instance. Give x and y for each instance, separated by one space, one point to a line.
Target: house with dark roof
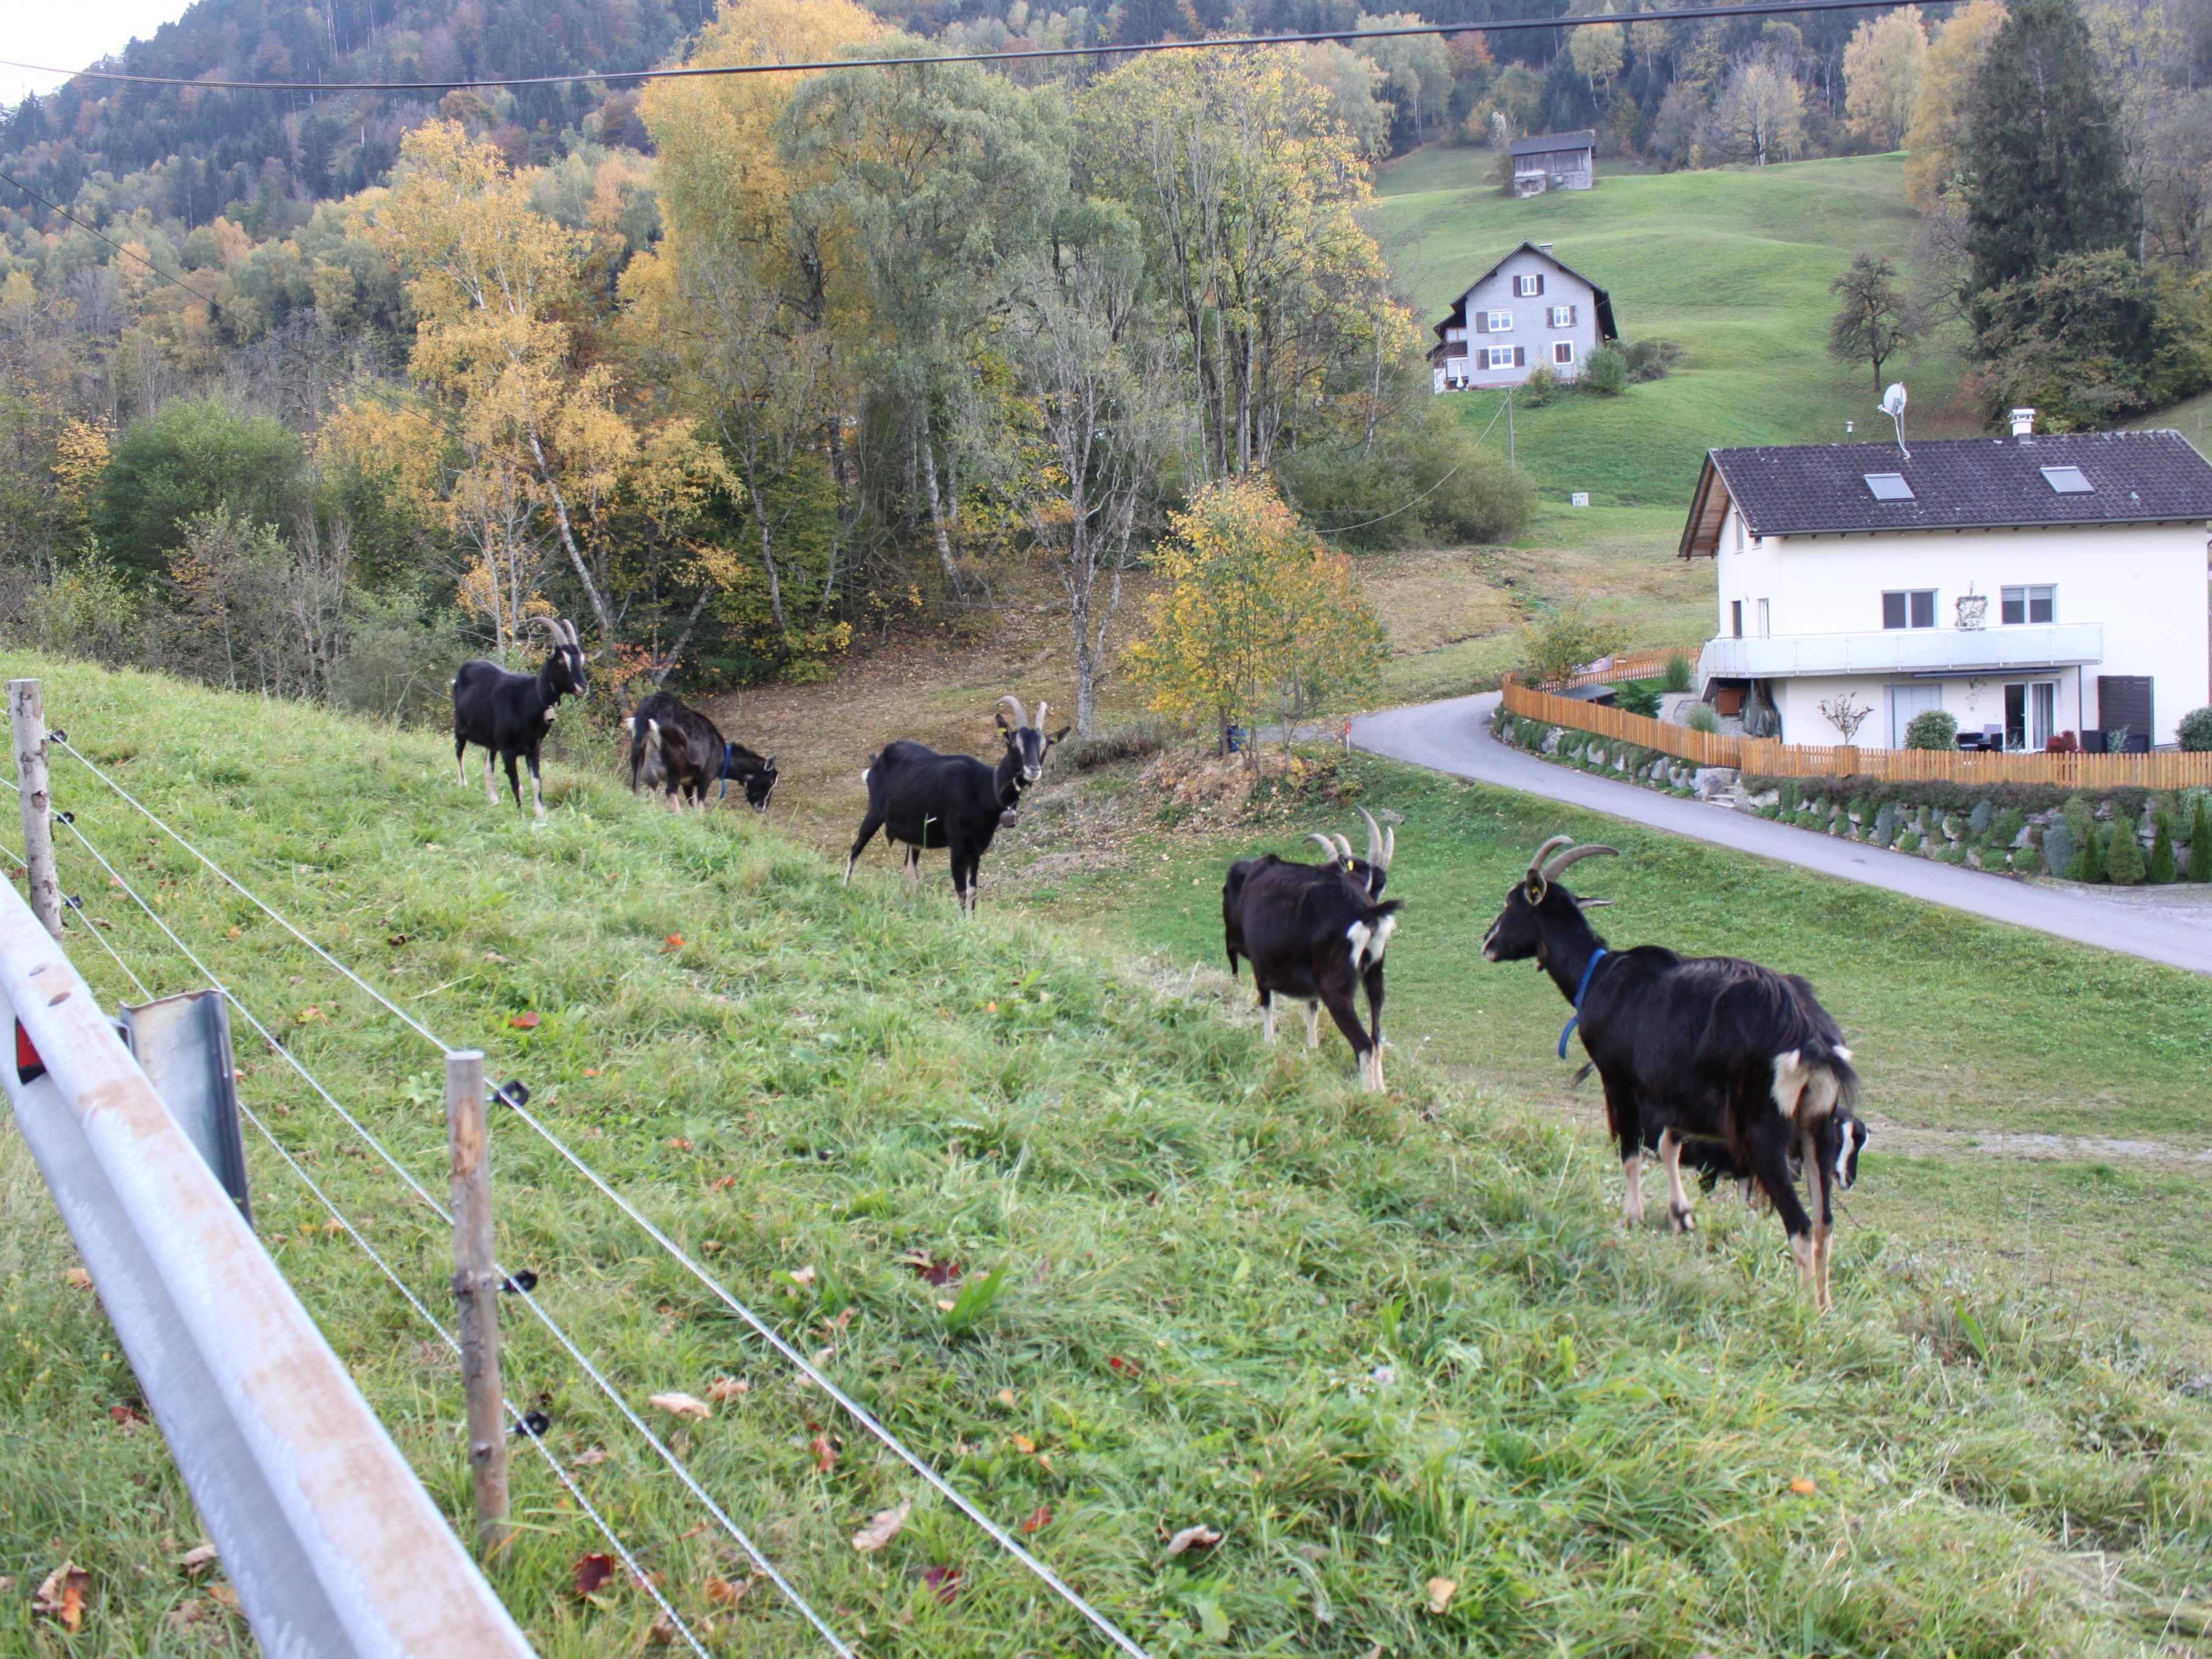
1558 161
2034 586
1528 308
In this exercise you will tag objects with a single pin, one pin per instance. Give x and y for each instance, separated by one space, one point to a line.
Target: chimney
2023 423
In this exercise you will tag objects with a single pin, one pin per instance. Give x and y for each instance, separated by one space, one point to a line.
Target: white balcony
1914 650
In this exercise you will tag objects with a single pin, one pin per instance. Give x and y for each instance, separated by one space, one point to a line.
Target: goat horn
1015 703
1378 847
1593 904
1389 848
1574 855
1326 845
1536 864
569 628
1042 708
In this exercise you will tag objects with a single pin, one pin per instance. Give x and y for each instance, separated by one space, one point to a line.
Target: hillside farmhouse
1526 309
1559 160
2033 585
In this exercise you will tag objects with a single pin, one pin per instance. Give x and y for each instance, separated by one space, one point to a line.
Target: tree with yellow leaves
1943 108
1258 616
1882 66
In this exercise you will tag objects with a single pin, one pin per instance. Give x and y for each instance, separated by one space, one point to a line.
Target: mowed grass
1374 1343
1733 264
1963 1029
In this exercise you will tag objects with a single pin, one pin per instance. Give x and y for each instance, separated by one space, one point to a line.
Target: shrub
1423 481
1701 718
1909 841
1637 698
2079 819
2123 855
2200 843
1678 677
191 457
1650 360
2061 847
2160 870
1541 387
2005 831
1978 820
1605 372
1885 823
1555 646
2197 731
1932 728
1132 741
2028 861
2089 864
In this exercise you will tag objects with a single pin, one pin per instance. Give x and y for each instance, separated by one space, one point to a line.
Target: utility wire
1670 14
56 207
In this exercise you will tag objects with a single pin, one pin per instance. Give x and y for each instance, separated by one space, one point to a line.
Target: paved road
2165 925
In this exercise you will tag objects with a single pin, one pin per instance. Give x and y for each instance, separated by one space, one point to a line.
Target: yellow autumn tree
1943 108
1883 64
1258 617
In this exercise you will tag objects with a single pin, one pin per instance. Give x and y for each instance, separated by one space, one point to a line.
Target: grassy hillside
1733 264
1373 1343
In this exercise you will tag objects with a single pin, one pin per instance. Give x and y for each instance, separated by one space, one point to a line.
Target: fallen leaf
590 1455
126 1414
1440 1591
61 1597
233 933
1025 1446
804 1278
723 1390
726 1183
945 1305
990 1007
682 1405
225 1597
592 1571
723 1593
663 1633
825 1455
494 956
1121 1367
1803 1486
1039 1519
1006 1397
200 1555
591 1070
887 1526
309 1015
674 943
1200 1537
527 1022
932 1270
945 1581
679 1144
78 1278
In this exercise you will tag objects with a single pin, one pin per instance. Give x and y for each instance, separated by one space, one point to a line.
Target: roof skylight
1891 486
2068 480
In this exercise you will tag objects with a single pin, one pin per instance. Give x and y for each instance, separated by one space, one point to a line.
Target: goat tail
653 735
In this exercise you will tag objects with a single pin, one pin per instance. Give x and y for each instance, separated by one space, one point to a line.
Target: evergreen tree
2200 842
2043 150
2123 858
2161 854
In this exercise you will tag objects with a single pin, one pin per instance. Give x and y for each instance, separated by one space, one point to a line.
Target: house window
1766 621
2031 714
1560 316
1735 619
1562 351
1528 287
2068 480
1505 357
2029 604
1915 607
1498 322
1887 486
1917 697
1455 334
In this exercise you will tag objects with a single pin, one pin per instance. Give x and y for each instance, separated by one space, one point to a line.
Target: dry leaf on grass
682 1405
61 1597
589 1455
675 944
225 1597
1006 1397
1803 1487
1025 1446
723 1390
945 1581
523 1021
887 1526
723 1594
1440 1591
1039 1519
78 1278
200 1555
825 1455
592 1571
1199 1537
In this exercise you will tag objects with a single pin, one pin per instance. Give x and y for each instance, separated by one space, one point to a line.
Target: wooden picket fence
1765 757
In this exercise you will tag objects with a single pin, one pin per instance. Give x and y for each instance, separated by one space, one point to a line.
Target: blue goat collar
1581 990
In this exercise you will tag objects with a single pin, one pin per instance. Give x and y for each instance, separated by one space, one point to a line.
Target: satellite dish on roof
1893 404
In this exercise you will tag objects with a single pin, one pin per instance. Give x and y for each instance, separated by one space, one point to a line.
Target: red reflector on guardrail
29 1067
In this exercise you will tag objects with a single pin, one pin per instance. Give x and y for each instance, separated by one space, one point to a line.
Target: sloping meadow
1115 1269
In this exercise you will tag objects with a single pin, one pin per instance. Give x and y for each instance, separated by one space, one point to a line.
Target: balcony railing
1903 651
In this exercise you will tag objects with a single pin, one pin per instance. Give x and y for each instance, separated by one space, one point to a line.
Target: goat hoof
1682 1221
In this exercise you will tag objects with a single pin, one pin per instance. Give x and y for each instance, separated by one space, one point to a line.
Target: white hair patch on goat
1842 1053
1821 1088
1384 929
1357 935
1789 1075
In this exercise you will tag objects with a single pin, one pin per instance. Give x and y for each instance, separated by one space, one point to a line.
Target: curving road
2171 925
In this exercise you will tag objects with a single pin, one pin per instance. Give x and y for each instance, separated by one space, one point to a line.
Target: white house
2032 586
1558 161
1526 309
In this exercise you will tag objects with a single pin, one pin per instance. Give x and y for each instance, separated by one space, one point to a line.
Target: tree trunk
597 600
937 525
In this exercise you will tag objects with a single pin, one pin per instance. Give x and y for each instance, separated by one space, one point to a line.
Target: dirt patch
1969 1144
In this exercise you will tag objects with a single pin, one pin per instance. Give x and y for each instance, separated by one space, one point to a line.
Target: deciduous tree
1883 66
1943 108
1873 322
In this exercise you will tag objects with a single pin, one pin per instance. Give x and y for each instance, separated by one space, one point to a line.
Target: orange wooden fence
1632 665
1765 757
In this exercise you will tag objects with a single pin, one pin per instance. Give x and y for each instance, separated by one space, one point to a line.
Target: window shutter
1540 281
1520 356
1573 315
1482 322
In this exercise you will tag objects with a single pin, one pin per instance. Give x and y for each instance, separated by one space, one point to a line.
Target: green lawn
1375 1343
1733 264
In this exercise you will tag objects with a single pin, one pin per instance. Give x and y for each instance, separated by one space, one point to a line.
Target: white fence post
475 1287
27 713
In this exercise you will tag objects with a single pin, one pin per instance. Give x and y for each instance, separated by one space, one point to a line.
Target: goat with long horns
1702 1050
507 715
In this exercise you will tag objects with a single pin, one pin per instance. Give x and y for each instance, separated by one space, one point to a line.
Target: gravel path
2169 924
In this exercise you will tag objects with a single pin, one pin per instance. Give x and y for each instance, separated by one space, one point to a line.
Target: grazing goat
1315 934
506 714
673 746
919 798
1701 1048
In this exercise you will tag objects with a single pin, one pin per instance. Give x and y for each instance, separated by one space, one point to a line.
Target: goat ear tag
1535 887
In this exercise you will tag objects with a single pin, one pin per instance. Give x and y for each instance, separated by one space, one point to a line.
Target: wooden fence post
27 713
476 1289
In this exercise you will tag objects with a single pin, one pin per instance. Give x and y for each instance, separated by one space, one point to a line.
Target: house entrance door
1906 702
2031 714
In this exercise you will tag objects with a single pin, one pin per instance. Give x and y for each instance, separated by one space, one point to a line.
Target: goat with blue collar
1708 1051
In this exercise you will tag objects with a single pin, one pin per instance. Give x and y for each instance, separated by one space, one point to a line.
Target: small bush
2197 731
2061 847
2028 861
1637 698
1555 646
2200 843
1541 387
1651 359
2089 863
2005 831
1909 841
1605 372
1678 673
2123 856
1932 728
2160 871
1979 820
1116 743
1701 718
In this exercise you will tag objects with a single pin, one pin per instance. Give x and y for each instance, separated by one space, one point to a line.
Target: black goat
919 798
675 747
1315 934
1702 1049
506 714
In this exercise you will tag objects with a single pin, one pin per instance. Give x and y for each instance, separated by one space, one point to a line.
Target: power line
126 253
1672 15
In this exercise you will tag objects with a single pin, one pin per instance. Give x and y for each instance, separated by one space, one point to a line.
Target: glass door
2031 714
1906 702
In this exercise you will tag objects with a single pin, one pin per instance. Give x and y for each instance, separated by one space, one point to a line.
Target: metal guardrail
329 1539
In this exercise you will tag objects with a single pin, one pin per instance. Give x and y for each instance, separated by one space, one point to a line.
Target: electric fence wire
858 1413
560 1473
760 1563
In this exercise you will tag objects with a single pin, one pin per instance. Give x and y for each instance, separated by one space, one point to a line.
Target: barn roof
1554 143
